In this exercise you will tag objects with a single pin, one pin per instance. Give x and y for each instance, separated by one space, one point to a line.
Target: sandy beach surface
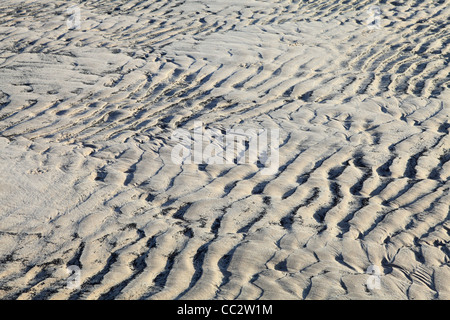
91 93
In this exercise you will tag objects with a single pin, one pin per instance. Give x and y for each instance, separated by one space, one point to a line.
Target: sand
86 179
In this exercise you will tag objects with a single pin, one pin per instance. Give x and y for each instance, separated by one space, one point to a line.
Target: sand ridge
86 118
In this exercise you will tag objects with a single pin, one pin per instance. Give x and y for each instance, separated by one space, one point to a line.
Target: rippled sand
87 115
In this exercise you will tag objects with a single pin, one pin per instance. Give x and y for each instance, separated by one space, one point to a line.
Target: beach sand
87 114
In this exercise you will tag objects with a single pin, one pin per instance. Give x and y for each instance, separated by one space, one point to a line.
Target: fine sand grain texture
87 179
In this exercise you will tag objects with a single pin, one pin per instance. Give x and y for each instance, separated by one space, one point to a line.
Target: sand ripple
86 118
